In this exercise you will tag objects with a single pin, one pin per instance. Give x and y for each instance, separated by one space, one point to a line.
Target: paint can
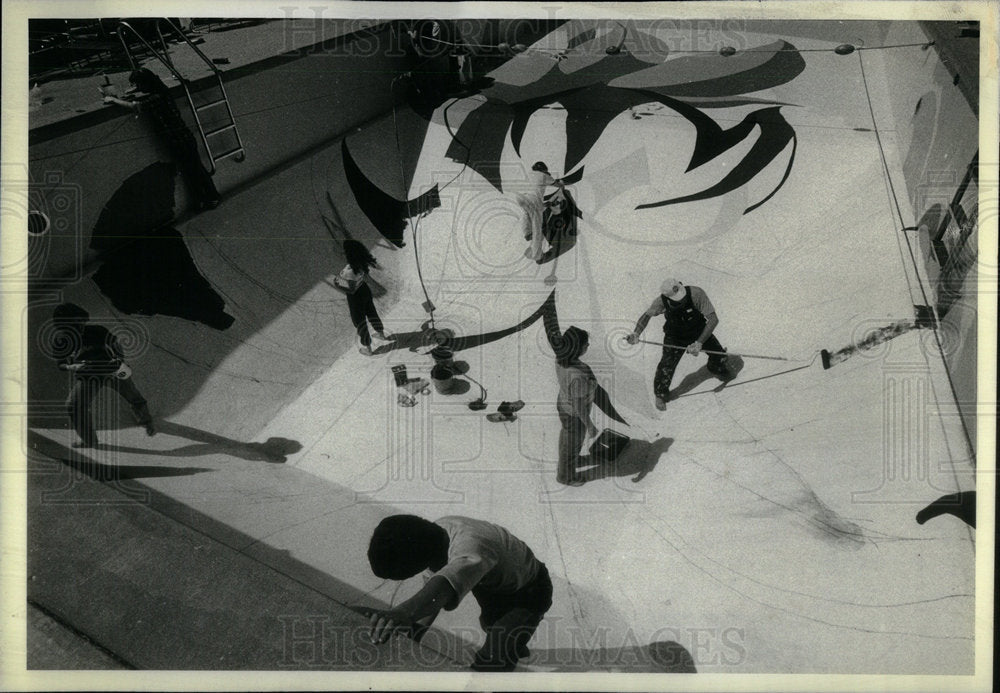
441 376
442 356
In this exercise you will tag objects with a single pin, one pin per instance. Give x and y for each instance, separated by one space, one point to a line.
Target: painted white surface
775 532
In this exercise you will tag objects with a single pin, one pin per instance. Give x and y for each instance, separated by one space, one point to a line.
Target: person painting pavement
463 555
688 327
96 362
532 203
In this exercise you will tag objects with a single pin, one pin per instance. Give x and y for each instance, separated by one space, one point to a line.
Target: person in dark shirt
462 555
154 101
689 321
94 358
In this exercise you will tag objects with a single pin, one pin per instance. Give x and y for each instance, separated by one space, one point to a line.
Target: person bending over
462 555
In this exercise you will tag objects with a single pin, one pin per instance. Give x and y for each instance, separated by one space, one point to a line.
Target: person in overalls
688 326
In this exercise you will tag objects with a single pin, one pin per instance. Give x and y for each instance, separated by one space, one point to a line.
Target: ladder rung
209 105
216 131
227 154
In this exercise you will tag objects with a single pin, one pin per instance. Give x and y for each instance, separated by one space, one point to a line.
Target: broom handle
720 353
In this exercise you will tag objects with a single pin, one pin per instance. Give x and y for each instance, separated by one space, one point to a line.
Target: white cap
672 289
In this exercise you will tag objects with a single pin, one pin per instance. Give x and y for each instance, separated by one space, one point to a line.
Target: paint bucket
442 356
441 376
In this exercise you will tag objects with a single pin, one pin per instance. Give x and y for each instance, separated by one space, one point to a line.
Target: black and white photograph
499 346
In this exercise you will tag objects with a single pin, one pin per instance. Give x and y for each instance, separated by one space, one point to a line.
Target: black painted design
600 90
962 505
387 214
775 136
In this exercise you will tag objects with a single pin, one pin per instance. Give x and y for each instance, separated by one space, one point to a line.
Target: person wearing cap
461 555
531 199
688 326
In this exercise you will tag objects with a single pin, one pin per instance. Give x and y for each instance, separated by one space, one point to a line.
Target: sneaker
367 351
385 336
661 404
150 430
575 480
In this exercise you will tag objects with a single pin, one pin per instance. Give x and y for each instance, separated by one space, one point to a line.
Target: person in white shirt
351 281
463 555
531 200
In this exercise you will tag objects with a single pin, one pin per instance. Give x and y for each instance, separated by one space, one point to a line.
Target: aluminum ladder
224 121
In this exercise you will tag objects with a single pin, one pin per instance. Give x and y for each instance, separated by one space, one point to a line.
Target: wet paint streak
873 339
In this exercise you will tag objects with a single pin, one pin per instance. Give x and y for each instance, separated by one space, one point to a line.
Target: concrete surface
767 525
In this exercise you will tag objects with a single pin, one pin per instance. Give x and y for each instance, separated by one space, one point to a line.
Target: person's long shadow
274 450
637 460
663 656
82 462
426 338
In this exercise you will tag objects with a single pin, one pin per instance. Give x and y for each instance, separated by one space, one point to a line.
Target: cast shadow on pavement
696 378
637 460
82 462
273 450
663 656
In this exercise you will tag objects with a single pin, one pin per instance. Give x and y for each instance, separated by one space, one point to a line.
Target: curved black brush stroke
785 65
962 505
588 113
547 311
582 93
457 344
387 214
784 177
480 140
572 178
775 136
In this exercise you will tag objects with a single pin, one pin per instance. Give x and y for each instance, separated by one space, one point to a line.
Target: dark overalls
683 324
